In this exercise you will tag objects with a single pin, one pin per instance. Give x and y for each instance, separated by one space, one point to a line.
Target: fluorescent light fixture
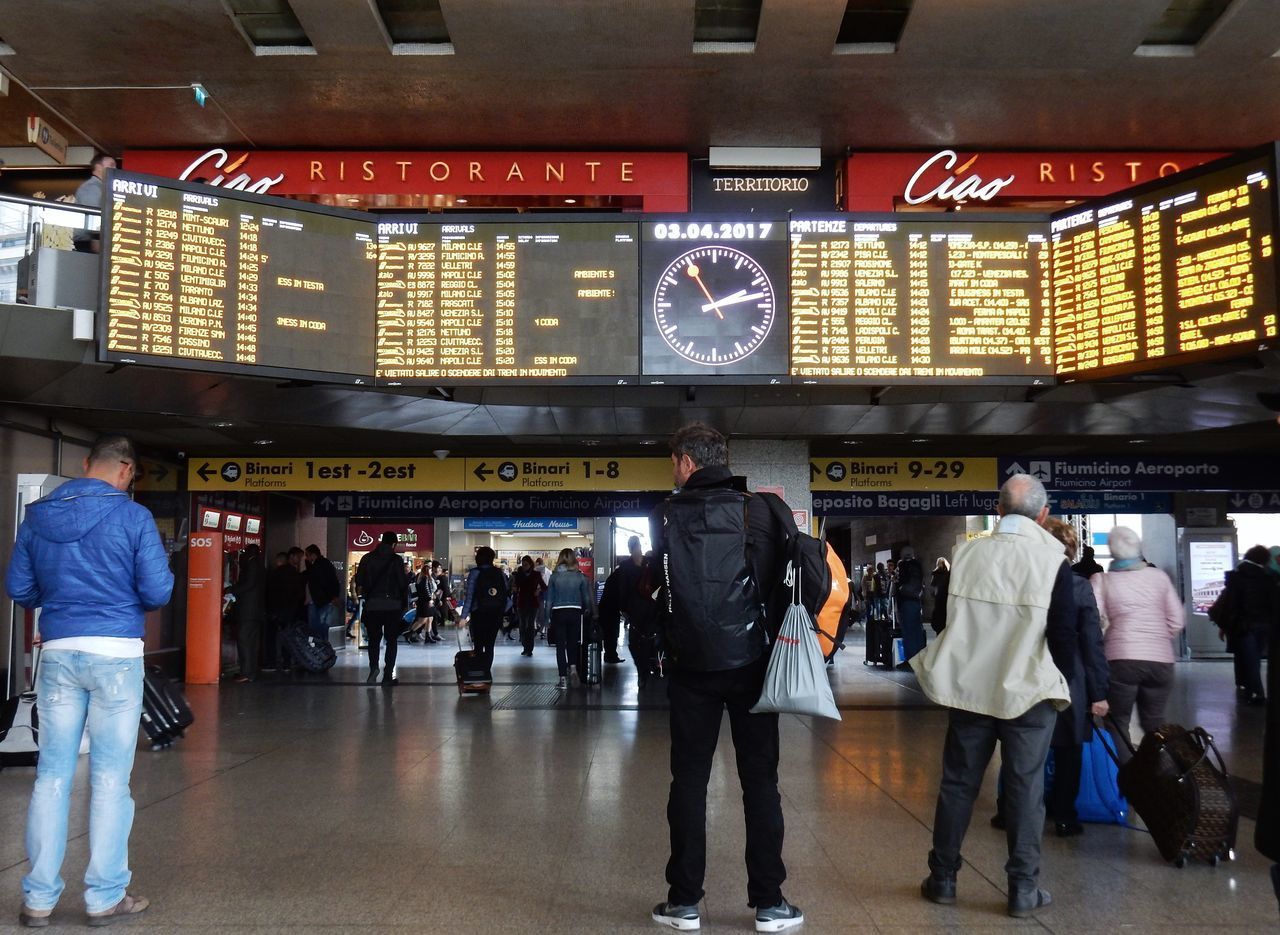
765 157
201 94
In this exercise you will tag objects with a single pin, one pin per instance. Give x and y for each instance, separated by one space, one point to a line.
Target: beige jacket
993 657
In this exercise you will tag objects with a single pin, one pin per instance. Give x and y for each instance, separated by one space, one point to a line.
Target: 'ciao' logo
201 542
212 167
972 187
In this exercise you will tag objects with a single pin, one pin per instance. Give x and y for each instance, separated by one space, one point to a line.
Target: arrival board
193 278
911 300
509 300
1167 272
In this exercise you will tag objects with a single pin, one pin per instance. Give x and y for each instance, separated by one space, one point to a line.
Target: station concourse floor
317 803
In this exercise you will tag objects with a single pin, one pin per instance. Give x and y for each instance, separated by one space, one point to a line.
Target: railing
28 223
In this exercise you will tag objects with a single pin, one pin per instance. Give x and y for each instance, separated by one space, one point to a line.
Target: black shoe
1023 904
940 890
614 660
1256 701
1067 829
997 821
526 652
373 676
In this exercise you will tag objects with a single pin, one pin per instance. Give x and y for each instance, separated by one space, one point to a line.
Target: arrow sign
206 472
1237 500
159 472
327 503
1015 468
482 472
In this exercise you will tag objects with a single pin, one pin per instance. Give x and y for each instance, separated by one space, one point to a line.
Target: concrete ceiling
618 74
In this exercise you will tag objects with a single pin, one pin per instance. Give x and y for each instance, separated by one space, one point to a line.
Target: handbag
796 680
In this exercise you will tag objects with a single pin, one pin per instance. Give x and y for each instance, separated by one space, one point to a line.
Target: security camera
441 453
182 456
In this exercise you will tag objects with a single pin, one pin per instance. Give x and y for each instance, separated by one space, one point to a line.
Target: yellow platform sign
428 474
155 476
903 474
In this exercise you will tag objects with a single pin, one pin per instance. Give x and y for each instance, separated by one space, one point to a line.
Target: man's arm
1060 629
20 581
152 576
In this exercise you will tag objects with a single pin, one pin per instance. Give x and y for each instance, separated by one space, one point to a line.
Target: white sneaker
563 683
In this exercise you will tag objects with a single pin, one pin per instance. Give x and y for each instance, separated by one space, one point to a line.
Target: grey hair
1124 543
1023 495
113 448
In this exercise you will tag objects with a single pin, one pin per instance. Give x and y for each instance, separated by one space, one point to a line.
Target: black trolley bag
165 713
468 666
1185 800
591 654
312 654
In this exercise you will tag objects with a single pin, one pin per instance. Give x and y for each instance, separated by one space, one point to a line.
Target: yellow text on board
569 474
429 474
903 474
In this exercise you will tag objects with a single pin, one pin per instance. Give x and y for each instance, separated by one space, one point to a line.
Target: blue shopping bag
1100 801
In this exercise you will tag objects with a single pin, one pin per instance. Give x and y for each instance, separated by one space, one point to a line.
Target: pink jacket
1141 612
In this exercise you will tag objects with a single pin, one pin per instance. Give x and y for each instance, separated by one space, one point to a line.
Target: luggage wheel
1181 861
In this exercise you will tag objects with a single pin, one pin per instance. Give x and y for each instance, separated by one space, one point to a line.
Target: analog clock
714 305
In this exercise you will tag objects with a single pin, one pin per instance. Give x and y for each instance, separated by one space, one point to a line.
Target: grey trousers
1024 745
1148 684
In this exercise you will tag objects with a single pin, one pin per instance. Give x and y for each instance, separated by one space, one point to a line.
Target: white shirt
117 647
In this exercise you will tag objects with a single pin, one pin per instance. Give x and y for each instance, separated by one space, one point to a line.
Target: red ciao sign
660 179
877 181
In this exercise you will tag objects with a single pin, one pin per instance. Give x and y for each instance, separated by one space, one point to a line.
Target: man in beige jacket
1001 666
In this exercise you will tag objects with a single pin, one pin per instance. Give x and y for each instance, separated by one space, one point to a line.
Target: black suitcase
165 713
879 642
591 653
468 665
305 650
1186 802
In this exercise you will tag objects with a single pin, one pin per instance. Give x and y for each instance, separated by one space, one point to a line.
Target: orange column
204 608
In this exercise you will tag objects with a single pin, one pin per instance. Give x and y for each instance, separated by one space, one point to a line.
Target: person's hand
1099 708
1222 634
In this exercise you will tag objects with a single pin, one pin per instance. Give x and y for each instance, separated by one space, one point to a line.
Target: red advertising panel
410 537
204 607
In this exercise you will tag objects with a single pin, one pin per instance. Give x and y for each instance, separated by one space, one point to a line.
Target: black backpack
714 617
491 591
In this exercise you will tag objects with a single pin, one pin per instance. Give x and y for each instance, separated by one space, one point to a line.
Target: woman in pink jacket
1141 613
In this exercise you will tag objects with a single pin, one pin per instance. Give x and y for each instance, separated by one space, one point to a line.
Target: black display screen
197 277
507 301
714 299
1168 273
904 299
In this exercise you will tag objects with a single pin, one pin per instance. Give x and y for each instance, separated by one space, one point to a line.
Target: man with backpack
383 583
485 603
720 553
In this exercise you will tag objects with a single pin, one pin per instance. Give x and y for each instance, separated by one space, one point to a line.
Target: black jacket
322 582
382 580
1091 678
732 645
910 580
285 592
1250 601
1267 834
250 590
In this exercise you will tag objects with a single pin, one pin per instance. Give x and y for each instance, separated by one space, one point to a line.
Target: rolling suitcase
312 654
468 666
1185 800
165 713
19 731
590 653
879 642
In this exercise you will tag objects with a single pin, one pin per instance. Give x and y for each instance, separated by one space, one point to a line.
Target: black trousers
698 701
484 631
528 628
1248 661
641 646
1061 800
610 629
248 634
379 624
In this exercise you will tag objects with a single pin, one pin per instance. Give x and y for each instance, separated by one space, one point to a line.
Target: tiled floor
320 804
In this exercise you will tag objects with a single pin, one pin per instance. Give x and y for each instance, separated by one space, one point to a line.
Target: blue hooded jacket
91 559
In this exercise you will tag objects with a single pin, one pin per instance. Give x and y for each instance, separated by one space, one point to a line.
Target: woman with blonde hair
569 599
1141 613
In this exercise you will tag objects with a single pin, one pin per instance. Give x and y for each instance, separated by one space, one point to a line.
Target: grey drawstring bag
796 680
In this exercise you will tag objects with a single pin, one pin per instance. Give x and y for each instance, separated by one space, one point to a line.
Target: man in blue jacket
90 669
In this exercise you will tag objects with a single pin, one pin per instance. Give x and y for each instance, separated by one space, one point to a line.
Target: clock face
714 305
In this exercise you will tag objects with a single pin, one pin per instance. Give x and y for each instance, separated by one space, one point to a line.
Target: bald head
1023 495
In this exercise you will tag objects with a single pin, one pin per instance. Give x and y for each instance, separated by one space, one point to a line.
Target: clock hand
740 296
693 271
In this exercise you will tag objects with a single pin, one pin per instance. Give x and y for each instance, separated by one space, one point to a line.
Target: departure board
1167 273
714 299
507 300
910 300
199 277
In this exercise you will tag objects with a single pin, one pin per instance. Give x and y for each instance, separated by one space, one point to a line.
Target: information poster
1167 273
1210 562
507 300
194 278
714 299
907 300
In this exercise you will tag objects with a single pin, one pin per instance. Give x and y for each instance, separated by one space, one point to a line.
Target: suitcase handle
1203 738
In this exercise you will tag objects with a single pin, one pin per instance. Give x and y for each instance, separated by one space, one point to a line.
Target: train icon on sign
508 471
835 472
230 472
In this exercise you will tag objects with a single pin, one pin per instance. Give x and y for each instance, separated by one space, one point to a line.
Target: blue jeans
912 627
319 619
75 687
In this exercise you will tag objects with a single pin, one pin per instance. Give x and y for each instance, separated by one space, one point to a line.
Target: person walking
569 600
249 594
1244 613
383 583
1002 666
628 589
909 592
484 604
1141 614
718 639
90 671
527 587
642 621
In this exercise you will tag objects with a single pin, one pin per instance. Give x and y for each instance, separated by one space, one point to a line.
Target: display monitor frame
505 218
1175 363
906 218
104 355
